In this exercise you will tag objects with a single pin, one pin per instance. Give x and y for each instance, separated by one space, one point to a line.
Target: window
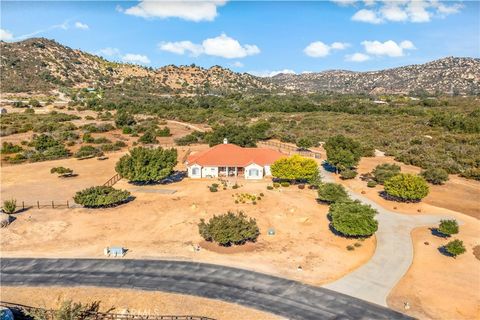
253 172
195 171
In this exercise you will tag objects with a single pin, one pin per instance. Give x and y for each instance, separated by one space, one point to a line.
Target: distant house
229 160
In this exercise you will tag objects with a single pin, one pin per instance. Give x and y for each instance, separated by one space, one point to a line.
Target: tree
455 247
448 227
435 175
147 165
123 119
229 228
342 152
149 137
332 192
385 171
295 168
407 187
101 196
304 143
9 206
353 219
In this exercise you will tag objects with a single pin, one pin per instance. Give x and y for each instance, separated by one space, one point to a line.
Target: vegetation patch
247 198
295 168
229 229
406 187
353 219
332 192
101 197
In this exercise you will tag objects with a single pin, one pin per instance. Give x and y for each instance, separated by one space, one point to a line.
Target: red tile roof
231 155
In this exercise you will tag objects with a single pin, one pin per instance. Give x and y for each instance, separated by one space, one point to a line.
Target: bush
269 187
348 174
448 227
61 171
87 137
9 206
123 119
147 165
301 186
471 173
295 168
435 175
149 137
87 151
385 171
371 184
332 192
353 219
165 132
304 143
285 184
101 196
276 185
127 130
455 247
8 148
342 152
407 187
213 188
229 228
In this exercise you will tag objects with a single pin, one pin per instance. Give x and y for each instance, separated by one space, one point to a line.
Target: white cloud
444 10
393 12
80 25
318 49
369 3
135 58
366 15
237 64
344 3
5 35
63 26
269 73
109 52
357 57
221 46
388 48
188 10
417 11
181 47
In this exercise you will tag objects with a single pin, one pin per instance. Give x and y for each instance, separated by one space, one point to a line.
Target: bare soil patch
132 302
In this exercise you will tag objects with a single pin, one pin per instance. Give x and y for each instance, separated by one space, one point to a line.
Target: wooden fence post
67 204
23 205
53 206
38 204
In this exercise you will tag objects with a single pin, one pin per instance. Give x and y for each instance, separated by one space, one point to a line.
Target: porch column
235 171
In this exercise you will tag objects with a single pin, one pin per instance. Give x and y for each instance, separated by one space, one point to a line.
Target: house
229 160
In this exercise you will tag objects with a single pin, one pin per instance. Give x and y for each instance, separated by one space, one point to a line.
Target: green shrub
295 168
269 187
229 229
448 227
127 130
8 148
385 171
165 132
455 247
276 185
471 173
87 151
350 248
213 188
285 184
147 165
371 184
87 137
332 192
101 196
348 174
407 187
305 143
353 219
123 119
9 206
149 137
261 194
435 175
61 171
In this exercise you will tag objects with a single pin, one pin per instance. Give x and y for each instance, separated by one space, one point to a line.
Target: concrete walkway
283 297
393 255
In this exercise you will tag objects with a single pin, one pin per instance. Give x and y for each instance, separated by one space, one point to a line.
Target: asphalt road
283 297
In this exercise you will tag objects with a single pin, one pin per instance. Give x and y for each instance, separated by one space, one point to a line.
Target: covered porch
231 171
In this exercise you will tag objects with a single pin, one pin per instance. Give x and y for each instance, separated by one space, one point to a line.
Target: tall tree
342 152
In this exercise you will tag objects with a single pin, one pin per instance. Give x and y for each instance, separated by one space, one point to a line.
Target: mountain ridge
39 64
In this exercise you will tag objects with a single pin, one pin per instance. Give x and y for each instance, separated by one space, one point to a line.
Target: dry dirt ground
436 286
159 225
132 302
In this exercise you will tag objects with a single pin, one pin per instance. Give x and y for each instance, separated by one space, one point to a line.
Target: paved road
393 255
283 297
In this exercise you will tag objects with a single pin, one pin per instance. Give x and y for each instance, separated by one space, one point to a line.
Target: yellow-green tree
295 168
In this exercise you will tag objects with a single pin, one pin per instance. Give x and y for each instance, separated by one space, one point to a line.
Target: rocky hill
41 65
448 75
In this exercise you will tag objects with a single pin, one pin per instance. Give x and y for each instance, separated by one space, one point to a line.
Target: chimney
225 140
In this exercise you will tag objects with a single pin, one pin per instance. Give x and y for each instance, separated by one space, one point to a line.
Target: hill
40 64
448 75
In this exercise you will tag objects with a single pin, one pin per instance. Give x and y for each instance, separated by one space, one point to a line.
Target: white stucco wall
267 171
253 166
190 171
208 172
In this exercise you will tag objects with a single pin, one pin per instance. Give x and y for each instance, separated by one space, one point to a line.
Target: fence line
280 145
46 204
18 311
110 182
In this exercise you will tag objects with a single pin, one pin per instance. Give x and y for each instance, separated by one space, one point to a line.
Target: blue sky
261 37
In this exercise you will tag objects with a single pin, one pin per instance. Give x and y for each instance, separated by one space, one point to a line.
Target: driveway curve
283 297
393 255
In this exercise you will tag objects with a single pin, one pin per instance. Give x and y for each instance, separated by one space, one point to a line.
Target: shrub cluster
296 168
406 187
332 192
229 229
101 196
435 175
455 247
385 171
353 219
348 174
448 227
